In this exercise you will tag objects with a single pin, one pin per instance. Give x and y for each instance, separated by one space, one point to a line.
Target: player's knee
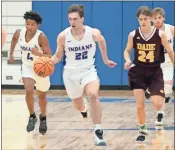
29 92
168 90
41 95
93 97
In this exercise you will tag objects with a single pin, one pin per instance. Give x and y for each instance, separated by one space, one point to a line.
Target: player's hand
127 65
11 59
110 64
35 51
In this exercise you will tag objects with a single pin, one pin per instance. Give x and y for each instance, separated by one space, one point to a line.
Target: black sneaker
31 124
147 95
98 138
167 99
84 114
141 137
43 125
159 121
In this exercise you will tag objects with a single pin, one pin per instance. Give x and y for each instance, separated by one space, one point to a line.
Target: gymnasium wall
114 19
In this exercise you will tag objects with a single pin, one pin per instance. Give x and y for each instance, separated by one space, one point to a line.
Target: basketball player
158 17
80 74
34 44
145 71
3 36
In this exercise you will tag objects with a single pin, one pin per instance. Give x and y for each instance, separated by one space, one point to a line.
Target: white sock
141 125
160 111
97 126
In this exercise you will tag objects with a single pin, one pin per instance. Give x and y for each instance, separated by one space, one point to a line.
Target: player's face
158 20
31 26
144 21
75 20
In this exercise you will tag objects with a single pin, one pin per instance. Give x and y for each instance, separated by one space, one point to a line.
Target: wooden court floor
68 131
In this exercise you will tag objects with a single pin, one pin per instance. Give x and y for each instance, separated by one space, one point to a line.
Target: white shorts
76 79
168 71
42 84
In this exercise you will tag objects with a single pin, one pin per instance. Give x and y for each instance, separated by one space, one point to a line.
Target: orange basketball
43 66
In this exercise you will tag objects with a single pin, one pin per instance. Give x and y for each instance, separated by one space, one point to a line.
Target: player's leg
75 93
147 94
91 85
3 36
168 80
157 94
92 90
138 83
42 86
80 104
29 88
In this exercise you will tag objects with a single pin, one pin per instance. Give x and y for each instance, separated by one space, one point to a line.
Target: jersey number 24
146 56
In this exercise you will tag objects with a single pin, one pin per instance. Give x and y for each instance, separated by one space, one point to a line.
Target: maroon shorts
144 77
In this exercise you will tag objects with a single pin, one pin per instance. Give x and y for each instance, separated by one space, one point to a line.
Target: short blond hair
158 10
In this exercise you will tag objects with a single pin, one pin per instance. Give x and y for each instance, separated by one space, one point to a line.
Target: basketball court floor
68 131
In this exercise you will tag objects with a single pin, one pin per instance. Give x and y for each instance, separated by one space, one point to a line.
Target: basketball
43 66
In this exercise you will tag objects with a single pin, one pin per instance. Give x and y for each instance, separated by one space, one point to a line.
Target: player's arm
4 35
98 37
167 46
172 30
127 51
56 58
14 42
44 44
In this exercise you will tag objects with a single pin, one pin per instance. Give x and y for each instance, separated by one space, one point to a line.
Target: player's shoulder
132 33
18 30
168 25
95 31
62 35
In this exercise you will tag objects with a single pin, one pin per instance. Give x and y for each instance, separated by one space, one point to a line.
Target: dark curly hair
33 16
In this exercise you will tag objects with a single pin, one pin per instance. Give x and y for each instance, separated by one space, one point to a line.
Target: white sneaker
98 138
159 121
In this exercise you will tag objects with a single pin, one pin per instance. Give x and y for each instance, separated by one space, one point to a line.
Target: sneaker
141 138
159 128
142 134
43 126
167 99
147 95
84 114
31 124
98 137
159 121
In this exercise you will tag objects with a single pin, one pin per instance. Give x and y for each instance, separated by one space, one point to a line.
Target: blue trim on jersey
64 59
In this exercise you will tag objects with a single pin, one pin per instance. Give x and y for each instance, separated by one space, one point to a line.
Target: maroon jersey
148 52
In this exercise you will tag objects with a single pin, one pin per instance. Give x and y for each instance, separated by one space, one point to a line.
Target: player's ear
163 18
82 19
38 25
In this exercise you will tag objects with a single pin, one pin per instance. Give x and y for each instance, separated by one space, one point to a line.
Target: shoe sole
159 124
103 143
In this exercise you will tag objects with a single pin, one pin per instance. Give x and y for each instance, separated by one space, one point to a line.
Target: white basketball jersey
79 54
170 40
26 47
